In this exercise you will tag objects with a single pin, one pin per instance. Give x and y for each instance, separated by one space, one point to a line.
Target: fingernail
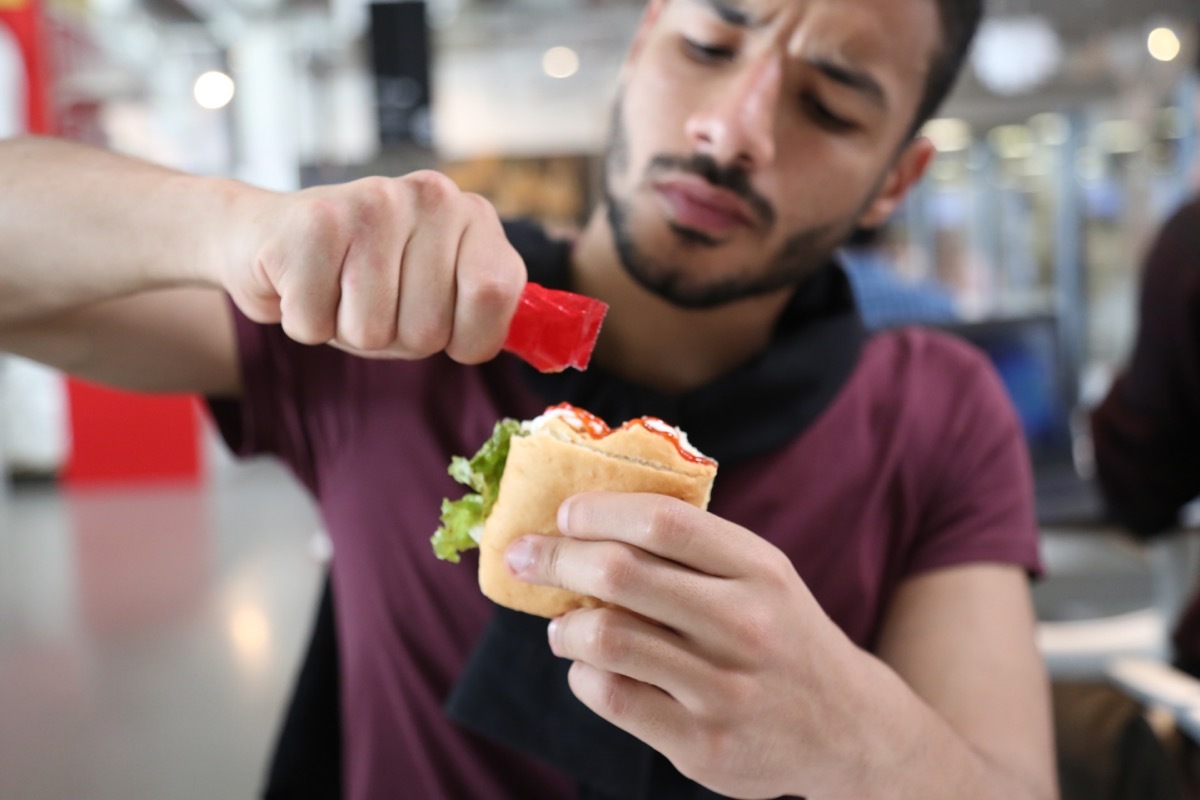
564 515
551 634
519 556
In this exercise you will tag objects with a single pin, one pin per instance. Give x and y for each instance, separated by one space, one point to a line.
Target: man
749 140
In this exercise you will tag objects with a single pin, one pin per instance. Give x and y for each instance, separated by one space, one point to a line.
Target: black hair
959 20
867 237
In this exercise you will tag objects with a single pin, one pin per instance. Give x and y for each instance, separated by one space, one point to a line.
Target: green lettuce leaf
462 520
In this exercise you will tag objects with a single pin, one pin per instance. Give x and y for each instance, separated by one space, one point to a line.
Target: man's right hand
383 267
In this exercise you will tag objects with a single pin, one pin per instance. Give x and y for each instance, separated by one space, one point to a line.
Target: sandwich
525 471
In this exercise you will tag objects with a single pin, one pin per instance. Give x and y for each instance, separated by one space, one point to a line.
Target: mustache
731 178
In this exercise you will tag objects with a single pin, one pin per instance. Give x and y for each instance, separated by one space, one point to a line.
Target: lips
695 204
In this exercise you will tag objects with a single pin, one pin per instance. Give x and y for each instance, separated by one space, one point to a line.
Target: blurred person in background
851 617
1146 441
1147 429
886 299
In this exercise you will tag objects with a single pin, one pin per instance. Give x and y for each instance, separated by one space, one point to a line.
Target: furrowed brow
730 12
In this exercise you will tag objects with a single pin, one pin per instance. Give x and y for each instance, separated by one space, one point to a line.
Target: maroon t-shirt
917 463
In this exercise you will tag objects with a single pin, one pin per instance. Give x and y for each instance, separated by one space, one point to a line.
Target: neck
654 343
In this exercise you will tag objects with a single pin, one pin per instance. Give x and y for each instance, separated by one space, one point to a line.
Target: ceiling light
948 135
1052 128
560 62
1172 123
1012 141
1120 136
213 90
1164 44
1015 55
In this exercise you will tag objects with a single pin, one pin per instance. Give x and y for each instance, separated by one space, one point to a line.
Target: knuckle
491 292
469 354
728 692
665 520
612 697
375 200
432 189
604 637
480 206
716 753
324 219
377 336
366 335
425 337
375 188
737 690
755 633
614 572
305 330
775 567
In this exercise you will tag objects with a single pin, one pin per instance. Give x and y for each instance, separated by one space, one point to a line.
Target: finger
259 299
490 278
638 708
662 591
308 276
617 641
427 283
669 528
366 314
426 310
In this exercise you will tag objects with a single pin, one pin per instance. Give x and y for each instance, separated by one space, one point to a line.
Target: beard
800 256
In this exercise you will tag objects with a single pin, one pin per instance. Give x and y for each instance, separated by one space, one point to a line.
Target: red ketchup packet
553 330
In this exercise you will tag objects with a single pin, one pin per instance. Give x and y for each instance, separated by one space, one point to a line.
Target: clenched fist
384 267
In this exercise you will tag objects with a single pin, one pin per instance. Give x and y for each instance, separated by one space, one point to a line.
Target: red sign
23 18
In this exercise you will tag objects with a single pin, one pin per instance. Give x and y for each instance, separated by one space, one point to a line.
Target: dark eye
707 53
821 113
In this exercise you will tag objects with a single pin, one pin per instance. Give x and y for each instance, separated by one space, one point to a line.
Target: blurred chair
1119 704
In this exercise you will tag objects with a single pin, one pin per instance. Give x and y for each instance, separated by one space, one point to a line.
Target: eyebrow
729 12
860 82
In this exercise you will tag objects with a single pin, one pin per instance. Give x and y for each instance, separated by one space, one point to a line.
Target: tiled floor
148 637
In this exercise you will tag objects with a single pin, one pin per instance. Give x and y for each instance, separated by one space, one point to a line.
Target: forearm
907 750
79 226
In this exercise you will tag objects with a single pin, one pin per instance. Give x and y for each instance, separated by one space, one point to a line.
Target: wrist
885 737
220 227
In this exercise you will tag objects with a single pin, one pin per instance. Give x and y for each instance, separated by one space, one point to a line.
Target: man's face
752 136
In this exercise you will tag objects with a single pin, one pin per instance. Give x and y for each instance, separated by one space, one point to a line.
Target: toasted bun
558 461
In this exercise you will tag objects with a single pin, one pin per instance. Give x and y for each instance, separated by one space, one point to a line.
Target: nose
737 126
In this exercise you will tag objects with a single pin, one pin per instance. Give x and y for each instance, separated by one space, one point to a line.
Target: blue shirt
886 300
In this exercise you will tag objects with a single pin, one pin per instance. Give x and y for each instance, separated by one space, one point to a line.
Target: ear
904 173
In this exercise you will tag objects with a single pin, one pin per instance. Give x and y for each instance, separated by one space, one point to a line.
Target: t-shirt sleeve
286 408
978 481
1146 432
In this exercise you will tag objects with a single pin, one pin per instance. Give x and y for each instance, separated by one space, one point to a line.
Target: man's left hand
719 657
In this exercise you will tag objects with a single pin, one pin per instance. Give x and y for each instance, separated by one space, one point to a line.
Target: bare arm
86 235
963 640
170 340
117 270
79 226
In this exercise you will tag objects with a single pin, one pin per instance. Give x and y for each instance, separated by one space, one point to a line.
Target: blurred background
154 595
